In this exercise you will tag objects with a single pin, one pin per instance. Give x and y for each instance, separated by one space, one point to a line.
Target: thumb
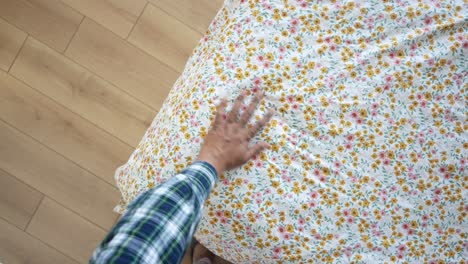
255 150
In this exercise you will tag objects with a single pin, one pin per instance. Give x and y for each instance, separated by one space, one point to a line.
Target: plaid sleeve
159 224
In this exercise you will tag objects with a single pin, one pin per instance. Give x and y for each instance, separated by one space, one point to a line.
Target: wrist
213 162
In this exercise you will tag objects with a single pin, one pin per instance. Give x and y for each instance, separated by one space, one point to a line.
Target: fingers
233 115
221 111
251 109
255 150
260 124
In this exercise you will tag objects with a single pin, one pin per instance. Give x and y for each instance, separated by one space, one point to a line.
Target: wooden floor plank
11 39
196 14
83 92
50 21
121 63
117 15
57 177
18 247
18 201
52 221
58 128
164 37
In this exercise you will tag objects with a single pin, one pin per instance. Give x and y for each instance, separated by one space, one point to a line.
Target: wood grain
57 127
57 177
11 40
164 37
50 21
121 63
18 247
18 201
53 220
76 93
196 14
83 92
117 15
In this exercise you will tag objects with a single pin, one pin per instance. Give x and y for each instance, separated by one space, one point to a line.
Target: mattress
369 145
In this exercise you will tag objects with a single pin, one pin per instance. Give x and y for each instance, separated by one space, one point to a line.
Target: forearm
159 224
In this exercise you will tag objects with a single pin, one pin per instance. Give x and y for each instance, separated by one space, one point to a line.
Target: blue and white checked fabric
159 224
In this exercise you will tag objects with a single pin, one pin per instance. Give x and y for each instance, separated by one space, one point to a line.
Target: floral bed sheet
369 146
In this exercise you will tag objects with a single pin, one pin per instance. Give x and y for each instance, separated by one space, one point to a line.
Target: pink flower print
348 146
348 252
405 226
430 62
316 173
337 164
266 64
257 81
313 195
281 229
261 58
301 221
226 181
428 20
443 169
346 212
294 22
219 213
388 79
276 252
402 248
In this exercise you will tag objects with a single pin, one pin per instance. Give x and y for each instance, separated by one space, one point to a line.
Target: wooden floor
80 81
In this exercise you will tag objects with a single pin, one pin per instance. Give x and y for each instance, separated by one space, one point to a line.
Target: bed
369 146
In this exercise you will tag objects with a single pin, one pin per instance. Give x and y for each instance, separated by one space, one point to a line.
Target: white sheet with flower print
369 152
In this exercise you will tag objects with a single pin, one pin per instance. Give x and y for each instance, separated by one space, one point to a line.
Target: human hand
226 146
